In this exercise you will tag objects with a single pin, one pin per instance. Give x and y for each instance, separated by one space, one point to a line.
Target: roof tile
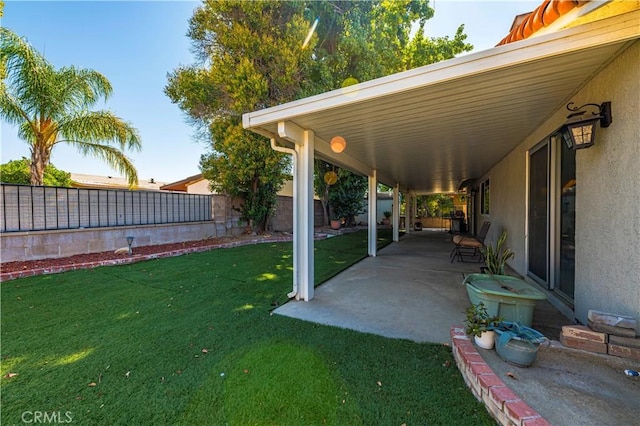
541 17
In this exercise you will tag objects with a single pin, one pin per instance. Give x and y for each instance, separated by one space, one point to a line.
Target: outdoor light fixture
580 129
338 144
129 242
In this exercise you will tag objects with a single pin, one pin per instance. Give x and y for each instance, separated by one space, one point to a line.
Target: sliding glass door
551 217
538 231
565 235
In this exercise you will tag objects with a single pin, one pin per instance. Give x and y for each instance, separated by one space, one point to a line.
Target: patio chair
470 246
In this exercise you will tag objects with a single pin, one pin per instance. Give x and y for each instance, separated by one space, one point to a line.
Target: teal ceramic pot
518 344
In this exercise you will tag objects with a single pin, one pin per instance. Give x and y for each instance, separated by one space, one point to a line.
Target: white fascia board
598 33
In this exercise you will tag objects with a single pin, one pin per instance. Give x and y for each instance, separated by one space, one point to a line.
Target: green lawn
190 340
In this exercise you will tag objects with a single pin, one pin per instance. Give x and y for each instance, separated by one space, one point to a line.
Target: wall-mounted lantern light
580 130
129 242
338 144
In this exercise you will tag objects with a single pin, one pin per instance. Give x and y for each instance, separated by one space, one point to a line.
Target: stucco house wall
607 206
199 187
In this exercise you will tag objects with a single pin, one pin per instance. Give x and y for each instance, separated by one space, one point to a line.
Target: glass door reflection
565 276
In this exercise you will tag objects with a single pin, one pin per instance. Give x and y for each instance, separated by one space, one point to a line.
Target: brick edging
134 259
504 405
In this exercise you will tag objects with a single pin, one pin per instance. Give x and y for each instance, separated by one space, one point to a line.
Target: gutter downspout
284 150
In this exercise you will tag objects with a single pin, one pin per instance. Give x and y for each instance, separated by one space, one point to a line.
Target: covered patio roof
431 128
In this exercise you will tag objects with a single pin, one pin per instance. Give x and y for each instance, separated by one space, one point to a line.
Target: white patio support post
396 212
304 262
415 209
373 214
407 212
303 213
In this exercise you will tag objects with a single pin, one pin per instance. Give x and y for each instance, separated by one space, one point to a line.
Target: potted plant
387 218
496 257
480 324
336 217
517 344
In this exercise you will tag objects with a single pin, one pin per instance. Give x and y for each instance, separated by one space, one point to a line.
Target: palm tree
53 106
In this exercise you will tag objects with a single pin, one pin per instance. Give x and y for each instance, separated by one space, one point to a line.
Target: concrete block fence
21 246
36 245
136 258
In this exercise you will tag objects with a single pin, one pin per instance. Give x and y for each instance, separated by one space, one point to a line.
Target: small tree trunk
324 201
39 161
325 213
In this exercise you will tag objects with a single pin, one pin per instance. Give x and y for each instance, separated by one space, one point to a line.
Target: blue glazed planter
517 344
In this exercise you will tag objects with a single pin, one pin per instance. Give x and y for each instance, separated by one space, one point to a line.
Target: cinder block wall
20 246
282 220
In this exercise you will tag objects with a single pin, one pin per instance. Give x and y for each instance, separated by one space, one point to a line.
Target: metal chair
470 246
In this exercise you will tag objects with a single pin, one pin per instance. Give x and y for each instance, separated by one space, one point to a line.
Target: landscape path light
129 242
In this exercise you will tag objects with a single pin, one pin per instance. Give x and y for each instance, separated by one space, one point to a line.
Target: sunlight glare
267 276
311 31
350 87
75 357
9 364
245 307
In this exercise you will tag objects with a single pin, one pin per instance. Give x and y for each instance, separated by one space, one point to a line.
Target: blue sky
136 43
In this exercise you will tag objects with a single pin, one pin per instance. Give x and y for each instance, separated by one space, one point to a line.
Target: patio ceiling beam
291 132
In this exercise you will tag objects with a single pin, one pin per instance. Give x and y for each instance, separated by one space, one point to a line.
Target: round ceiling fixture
338 144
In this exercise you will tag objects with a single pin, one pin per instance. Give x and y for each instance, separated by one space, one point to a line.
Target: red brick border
504 405
134 259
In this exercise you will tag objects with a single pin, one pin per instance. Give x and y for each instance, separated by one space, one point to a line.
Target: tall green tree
342 198
360 41
346 197
19 171
52 106
251 56
436 205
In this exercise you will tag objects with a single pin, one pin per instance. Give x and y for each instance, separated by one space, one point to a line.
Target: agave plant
495 257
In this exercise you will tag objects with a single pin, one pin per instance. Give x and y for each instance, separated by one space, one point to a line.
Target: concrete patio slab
409 291
412 291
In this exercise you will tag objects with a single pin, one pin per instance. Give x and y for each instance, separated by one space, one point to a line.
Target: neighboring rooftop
183 184
109 182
